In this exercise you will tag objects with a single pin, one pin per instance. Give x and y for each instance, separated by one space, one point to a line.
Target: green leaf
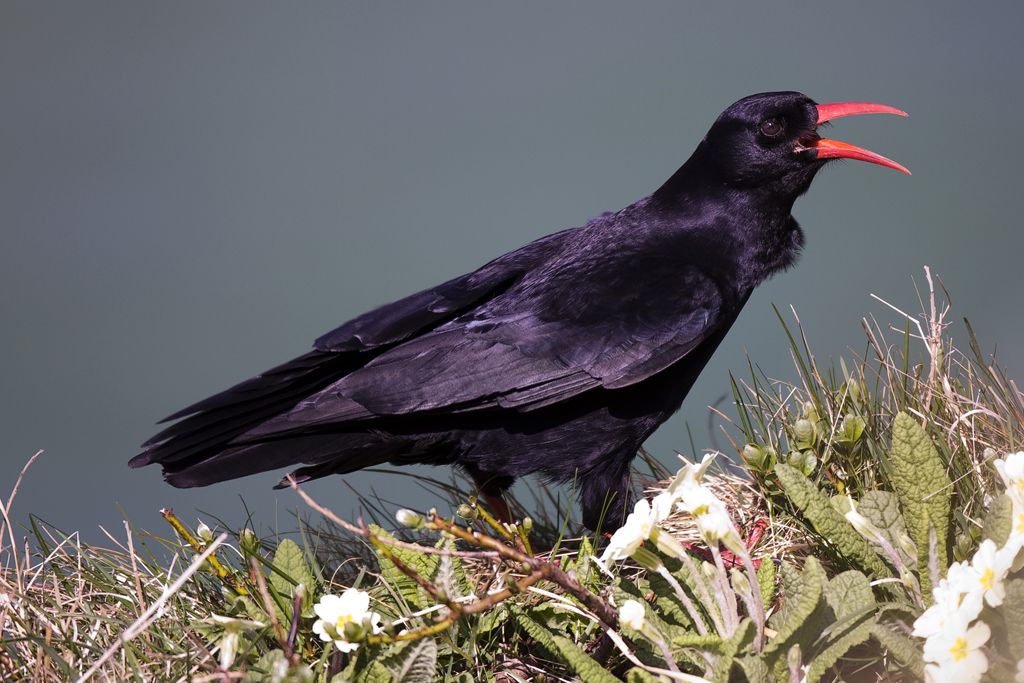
567 651
739 640
827 521
426 565
853 604
638 675
374 672
755 669
1012 611
904 649
265 668
710 642
766 580
882 508
919 477
414 662
801 592
999 520
291 569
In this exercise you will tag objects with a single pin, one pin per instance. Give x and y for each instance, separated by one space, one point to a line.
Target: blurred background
191 192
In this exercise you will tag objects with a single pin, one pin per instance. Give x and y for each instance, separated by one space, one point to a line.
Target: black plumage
559 358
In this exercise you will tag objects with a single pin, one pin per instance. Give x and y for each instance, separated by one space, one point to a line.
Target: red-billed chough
559 358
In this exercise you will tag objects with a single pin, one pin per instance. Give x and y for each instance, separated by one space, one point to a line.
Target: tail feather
210 426
343 452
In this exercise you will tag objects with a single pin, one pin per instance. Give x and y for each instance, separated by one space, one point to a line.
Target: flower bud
527 524
632 614
410 519
795 459
204 532
810 462
248 542
803 432
468 512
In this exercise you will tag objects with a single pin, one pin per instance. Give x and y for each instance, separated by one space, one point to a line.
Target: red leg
498 506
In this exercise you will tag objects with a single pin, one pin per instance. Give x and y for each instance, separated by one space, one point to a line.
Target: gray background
191 192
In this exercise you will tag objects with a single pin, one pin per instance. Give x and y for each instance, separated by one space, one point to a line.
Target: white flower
690 474
1019 678
204 532
686 479
990 567
957 652
345 619
1012 472
632 614
631 535
955 602
233 628
711 515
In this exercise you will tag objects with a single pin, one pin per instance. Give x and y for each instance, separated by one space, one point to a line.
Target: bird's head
771 141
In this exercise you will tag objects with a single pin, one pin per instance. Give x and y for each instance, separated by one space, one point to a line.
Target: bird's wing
610 337
404 318
210 424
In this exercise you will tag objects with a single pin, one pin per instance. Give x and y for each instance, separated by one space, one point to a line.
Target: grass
141 605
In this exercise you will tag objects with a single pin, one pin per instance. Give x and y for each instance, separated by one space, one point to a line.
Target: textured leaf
263 670
827 521
1013 612
426 565
766 580
414 662
849 594
882 508
755 669
290 561
373 672
801 593
638 675
739 641
567 651
919 477
850 598
999 520
904 649
709 642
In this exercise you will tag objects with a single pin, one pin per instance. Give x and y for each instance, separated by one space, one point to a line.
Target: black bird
558 358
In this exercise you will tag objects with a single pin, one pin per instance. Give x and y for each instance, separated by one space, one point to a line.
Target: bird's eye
773 127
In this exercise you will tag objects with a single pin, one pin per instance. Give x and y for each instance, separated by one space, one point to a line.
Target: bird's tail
199 450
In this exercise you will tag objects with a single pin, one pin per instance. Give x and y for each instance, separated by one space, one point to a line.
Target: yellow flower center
959 649
988 578
1020 523
342 620
700 510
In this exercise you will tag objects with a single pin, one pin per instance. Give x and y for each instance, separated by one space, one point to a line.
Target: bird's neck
754 226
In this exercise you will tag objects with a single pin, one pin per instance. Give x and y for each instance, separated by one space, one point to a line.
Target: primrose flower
1011 470
712 516
632 614
989 569
956 600
631 535
346 619
229 641
956 653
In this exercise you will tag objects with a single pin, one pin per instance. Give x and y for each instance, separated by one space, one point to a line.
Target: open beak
833 149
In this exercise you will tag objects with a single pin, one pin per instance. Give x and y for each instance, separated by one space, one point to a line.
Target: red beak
832 149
